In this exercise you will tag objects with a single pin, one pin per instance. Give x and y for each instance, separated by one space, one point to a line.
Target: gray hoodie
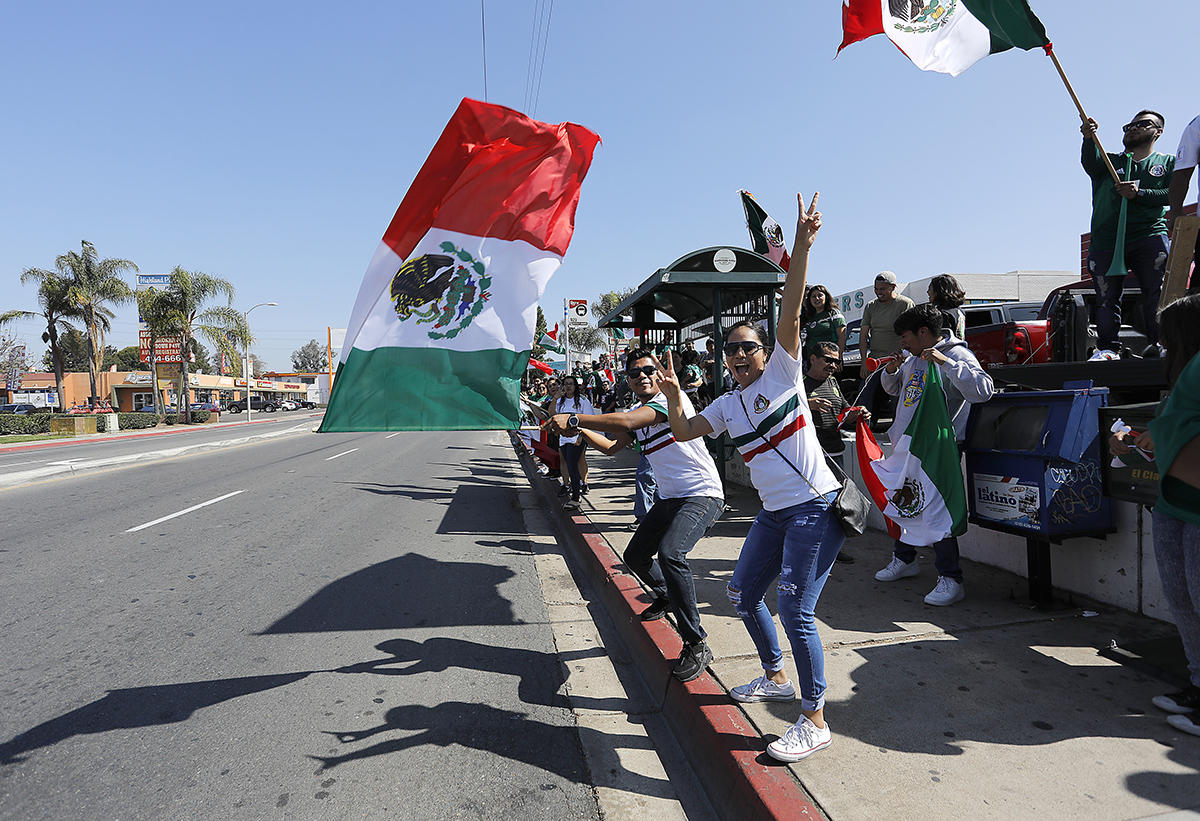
963 378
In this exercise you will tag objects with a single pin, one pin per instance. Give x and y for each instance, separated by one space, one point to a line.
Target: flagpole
567 336
1049 49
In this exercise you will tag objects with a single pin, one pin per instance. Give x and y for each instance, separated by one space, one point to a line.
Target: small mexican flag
550 342
766 237
440 332
922 479
948 36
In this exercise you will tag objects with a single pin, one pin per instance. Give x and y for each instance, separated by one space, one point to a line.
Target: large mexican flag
944 35
922 480
442 327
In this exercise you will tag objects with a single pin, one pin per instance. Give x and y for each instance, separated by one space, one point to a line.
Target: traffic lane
84 449
211 636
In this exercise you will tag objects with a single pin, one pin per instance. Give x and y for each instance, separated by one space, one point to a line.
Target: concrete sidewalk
987 709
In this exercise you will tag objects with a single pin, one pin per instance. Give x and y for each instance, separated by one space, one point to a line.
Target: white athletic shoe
763 689
946 592
1101 355
897 569
800 741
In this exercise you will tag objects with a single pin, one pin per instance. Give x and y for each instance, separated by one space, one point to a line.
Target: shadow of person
139 707
512 735
405 592
540 675
1179 790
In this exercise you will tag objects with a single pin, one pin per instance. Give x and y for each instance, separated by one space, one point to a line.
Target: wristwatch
573 421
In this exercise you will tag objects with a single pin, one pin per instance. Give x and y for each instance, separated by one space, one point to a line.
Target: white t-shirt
580 405
777 408
1188 154
681 469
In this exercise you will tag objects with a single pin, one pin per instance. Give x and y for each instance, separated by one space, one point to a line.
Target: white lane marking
30 462
185 510
343 453
390 435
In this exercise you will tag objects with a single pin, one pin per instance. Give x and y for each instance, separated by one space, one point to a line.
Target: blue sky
270 143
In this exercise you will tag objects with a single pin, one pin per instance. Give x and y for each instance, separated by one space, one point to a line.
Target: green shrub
200 416
171 418
133 421
11 423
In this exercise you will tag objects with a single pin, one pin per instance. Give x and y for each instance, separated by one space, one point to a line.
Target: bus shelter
702 294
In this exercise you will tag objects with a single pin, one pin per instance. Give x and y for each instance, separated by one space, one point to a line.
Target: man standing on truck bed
1145 178
1186 159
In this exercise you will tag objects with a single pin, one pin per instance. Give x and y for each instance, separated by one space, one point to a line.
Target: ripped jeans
798 544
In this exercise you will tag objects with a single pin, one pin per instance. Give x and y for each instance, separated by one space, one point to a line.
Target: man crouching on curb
690 500
965 383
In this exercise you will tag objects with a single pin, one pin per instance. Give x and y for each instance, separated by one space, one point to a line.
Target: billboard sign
577 312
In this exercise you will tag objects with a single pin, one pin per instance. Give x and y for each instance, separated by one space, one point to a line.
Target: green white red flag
549 341
440 332
944 35
766 236
922 479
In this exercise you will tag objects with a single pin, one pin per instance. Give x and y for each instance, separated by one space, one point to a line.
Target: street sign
577 312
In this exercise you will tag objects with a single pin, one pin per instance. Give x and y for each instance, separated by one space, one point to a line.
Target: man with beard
689 501
1145 180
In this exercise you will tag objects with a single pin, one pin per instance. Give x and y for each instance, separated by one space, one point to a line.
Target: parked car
257 403
213 407
152 409
288 404
19 408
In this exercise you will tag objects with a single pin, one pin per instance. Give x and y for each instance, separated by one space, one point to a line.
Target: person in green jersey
1174 440
821 321
1145 179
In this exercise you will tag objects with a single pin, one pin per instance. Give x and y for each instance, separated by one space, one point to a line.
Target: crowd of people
782 408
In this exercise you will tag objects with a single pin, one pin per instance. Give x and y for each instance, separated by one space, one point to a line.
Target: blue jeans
945 557
571 452
1177 552
1147 259
671 529
797 544
645 490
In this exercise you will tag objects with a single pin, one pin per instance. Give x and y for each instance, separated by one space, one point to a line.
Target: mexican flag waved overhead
441 329
550 342
766 236
948 36
922 479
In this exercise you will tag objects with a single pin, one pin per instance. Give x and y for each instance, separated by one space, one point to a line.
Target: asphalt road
351 626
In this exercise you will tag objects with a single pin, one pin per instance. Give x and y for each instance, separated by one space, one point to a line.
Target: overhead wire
483 30
541 70
534 37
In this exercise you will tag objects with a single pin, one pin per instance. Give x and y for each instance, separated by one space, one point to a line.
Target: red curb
728 754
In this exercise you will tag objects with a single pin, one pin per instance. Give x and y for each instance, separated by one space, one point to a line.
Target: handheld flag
440 332
922 479
869 451
766 237
549 341
948 36
1118 268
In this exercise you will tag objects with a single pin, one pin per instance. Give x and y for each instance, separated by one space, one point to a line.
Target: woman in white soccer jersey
795 536
571 450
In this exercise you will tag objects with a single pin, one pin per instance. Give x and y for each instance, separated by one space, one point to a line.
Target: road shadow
402 593
540 675
133 707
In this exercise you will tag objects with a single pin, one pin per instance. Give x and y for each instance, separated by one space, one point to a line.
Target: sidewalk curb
719 740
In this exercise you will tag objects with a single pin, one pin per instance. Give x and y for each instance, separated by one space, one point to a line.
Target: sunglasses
832 360
1139 124
748 348
634 373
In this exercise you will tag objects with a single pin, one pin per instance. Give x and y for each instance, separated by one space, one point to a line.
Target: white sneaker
1187 724
763 689
800 741
897 569
946 592
1101 355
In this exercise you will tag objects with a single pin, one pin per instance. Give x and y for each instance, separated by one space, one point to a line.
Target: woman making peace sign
795 536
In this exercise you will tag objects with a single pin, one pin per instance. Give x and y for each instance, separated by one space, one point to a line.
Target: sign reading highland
1006 500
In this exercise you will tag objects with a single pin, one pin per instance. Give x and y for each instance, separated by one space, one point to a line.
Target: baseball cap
886 276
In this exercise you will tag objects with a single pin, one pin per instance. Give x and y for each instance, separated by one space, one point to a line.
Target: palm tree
93 283
154 309
186 316
56 309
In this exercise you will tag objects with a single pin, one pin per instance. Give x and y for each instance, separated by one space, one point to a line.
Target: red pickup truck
1006 333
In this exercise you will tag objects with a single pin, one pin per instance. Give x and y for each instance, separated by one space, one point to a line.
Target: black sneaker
657 609
692 661
1181 703
844 558
563 490
583 488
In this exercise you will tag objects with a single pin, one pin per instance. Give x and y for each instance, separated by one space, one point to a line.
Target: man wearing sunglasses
1145 180
690 499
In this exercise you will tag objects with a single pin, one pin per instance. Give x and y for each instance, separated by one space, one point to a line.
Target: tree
539 328
200 357
257 366
129 359
56 310
181 312
607 302
75 354
311 358
94 283
13 356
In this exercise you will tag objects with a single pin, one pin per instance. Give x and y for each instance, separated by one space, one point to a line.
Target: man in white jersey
1186 159
690 499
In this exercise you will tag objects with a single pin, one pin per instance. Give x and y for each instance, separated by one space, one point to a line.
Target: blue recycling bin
1033 462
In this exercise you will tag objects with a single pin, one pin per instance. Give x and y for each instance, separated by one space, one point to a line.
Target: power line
542 69
483 29
534 37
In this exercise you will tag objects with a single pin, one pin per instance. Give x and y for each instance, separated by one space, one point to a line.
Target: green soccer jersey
1146 214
